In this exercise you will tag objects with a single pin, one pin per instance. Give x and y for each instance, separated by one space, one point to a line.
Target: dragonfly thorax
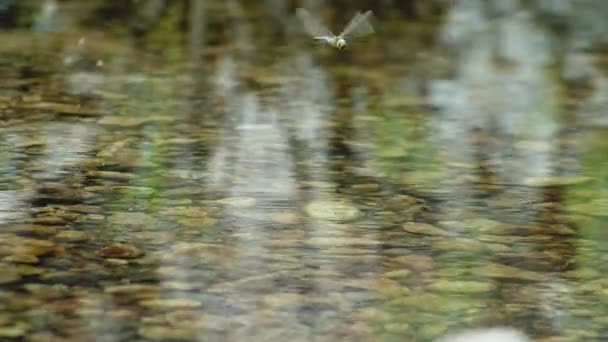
339 42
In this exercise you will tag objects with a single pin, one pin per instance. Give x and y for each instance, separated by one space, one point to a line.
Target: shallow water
200 171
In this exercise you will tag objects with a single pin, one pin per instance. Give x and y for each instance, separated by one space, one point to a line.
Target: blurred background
201 170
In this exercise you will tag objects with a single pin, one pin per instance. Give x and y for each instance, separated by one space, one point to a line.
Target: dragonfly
358 26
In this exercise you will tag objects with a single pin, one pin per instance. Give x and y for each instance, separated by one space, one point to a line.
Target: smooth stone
403 273
416 262
171 303
583 273
188 174
282 299
112 175
73 236
153 237
63 192
31 246
181 192
120 251
136 191
498 334
424 229
132 219
331 241
433 303
124 121
31 230
596 207
198 250
238 202
47 220
180 285
131 289
374 314
458 244
320 185
507 272
389 288
22 259
555 181
366 187
15 330
192 318
398 328
83 209
204 222
332 211
116 262
9 274
434 329
55 291
167 333
400 202
474 225
461 286
286 218
191 212
29 270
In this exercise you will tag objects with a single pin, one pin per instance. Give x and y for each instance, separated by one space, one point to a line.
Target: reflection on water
201 171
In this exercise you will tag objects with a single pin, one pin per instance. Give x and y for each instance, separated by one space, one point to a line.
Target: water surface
201 171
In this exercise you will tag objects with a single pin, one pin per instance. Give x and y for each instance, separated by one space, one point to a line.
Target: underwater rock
124 121
73 236
424 229
58 191
165 333
120 251
332 211
132 219
595 207
186 211
458 244
238 202
31 230
499 334
555 181
286 218
203 222
112 175
171 303
22 259
9 274
461 286
366 187
18 329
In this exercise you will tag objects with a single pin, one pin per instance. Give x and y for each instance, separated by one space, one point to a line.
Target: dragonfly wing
312 25
358 26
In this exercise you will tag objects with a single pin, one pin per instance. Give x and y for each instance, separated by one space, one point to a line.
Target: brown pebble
120 251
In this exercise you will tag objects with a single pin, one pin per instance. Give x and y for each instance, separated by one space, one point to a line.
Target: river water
203 171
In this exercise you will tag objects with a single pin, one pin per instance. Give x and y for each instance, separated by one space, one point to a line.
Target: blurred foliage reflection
201 170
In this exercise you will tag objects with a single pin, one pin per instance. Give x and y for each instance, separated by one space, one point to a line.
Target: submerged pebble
73 236
171 303
461 286
424 229
332 211
120 251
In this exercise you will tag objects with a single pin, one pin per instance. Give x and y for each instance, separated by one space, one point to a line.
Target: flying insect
358 26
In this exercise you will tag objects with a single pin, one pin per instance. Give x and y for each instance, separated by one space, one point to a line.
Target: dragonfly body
358 26
335 41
